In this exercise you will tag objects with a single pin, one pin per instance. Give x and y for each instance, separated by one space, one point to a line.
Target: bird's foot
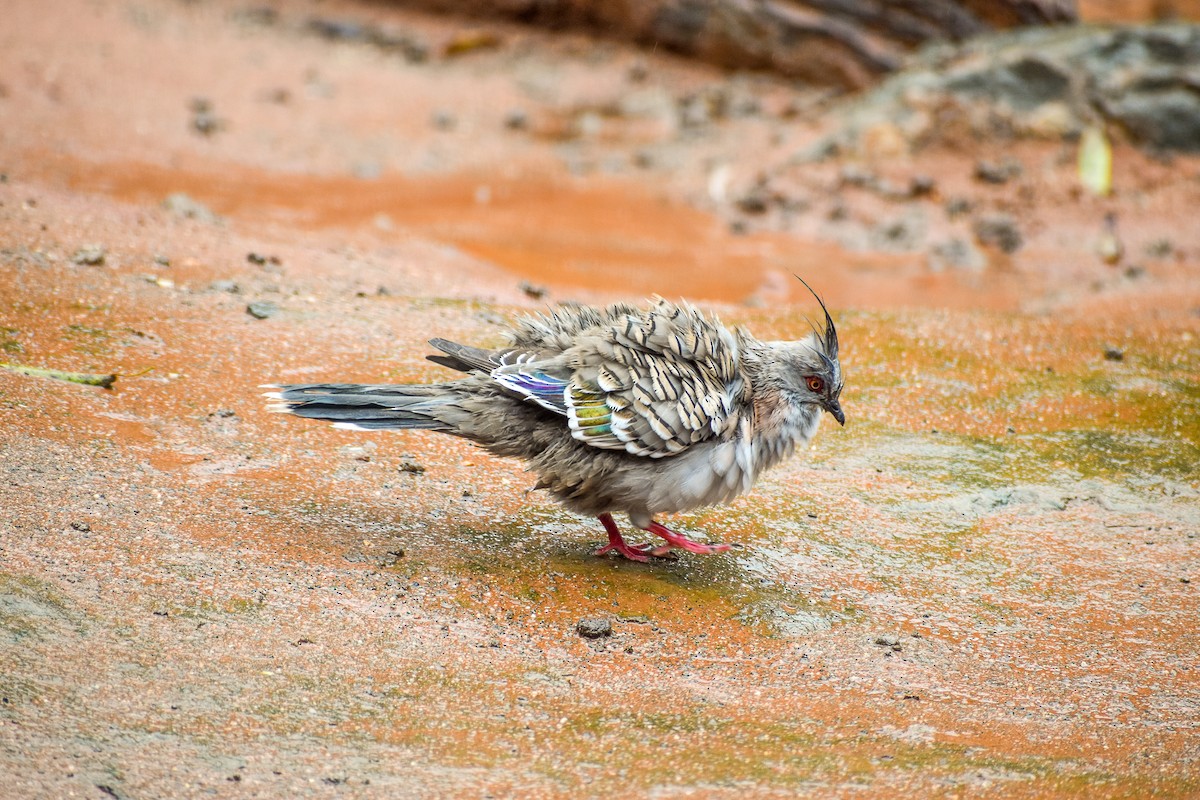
681 541
617 543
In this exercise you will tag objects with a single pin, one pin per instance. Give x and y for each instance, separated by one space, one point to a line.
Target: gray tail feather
462 357
363 406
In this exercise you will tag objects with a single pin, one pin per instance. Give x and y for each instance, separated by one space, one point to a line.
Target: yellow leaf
1095 161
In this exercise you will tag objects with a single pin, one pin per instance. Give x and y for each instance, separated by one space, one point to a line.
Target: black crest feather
828 337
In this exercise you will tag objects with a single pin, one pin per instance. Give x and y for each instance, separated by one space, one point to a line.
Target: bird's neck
778 423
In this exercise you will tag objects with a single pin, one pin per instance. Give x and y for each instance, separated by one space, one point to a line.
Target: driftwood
846 43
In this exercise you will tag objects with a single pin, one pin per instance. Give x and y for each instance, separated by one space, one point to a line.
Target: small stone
1135 271
81 526
1160 248
957 206
1114 354
755 201
887 640
204 120
411 467
999 230
225 285
998 172
390 558
955 253
262 309
516 120
532 290
594 628
921 186
91 255
182 205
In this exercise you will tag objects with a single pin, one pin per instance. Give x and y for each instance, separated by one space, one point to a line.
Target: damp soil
986 584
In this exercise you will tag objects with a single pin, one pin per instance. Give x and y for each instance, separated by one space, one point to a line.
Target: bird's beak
836 410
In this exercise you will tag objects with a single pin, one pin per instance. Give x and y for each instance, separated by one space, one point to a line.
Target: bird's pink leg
680 541
634 552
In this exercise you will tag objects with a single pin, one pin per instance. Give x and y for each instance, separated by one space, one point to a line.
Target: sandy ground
986 585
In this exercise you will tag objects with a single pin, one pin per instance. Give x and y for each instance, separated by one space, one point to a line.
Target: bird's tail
366 407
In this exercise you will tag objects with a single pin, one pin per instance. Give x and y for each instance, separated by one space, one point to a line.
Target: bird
644 411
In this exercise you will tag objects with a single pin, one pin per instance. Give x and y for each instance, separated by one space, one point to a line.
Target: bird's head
814 373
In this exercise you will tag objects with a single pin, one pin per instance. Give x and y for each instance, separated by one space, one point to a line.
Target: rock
754 201
338 30
955 253
184 206
887 640
1114 354
225 285
1047 82
596 628
1023 84
516 120
1168 119
91 255
262 309
532 290
998 172
82 527
204 120
999 230
411 467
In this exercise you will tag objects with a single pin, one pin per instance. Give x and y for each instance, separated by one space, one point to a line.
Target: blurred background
1012 154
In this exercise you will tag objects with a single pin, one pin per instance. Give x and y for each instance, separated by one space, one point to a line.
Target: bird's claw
634 552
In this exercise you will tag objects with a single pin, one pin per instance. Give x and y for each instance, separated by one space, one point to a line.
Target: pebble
516 120
183 205
91 255
411 467
594 628
1114 354
998 172
999 230
532 290
887 640
262 309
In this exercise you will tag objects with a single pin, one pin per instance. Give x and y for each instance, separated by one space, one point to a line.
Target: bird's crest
827 338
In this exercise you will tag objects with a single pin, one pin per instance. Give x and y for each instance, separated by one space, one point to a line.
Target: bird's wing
650 382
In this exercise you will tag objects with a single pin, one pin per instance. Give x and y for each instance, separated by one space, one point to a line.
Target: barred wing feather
652 383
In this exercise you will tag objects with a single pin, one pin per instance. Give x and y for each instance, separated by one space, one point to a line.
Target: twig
88 379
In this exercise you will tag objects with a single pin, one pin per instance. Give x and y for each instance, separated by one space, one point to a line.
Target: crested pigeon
645 411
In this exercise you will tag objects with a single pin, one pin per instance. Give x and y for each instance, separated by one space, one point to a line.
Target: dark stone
999 230
594 628
1164 119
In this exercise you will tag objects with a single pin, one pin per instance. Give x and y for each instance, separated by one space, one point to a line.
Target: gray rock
956 253
262 309
184 206
1166 118
1044 82
91 255
999 230
596 628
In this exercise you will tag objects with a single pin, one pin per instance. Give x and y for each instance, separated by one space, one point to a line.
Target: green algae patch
30 606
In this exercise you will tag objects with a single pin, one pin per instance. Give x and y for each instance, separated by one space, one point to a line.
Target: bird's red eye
815 384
